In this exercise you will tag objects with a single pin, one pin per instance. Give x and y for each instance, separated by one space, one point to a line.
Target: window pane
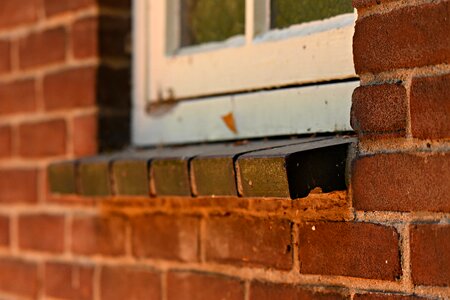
285 13
204 21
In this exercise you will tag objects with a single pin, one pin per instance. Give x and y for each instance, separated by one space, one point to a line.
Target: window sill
278 169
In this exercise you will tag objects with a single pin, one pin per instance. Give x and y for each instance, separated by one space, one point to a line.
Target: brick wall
388 237
64 93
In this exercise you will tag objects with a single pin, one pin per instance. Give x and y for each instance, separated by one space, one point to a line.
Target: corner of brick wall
401 113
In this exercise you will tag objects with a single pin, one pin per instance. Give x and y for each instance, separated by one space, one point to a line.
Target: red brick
269 291
5 141
4 231
249 241
69 281
53 7
380 109
389 41
196 286
72 88
98 235
31 228
402 182
430 255
34 141
18 186
17 97
18 277
42 48
367 3
5 56
166 237
14 13
118 283
385 297
85 38
349 249
85 131
430 107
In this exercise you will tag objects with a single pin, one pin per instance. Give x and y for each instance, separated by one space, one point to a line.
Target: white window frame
233 78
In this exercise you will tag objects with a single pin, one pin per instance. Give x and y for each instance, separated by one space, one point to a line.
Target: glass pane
285 13
204 21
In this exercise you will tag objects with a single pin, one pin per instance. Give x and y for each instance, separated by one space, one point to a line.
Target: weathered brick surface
372 296
17 97
269 291
5 142
85 135
390 41
53 7
367 3
68 281
5 56
19 277
18 186
98 235
14 13
166 237
42 48
4 231
430 255
349 249
73 88
34 138
196 286
118 283
380 109
260 242
41 233
85 38
401 182
430 107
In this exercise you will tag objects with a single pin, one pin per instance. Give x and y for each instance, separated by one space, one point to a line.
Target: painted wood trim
303 110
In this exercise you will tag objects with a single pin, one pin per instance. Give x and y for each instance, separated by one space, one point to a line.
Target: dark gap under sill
288 168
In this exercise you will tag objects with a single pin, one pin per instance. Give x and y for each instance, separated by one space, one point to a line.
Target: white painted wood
140 75
307 53
324 108
322 52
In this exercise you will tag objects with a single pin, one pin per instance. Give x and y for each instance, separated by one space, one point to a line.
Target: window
209 70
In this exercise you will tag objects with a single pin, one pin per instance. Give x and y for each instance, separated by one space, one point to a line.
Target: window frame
160 79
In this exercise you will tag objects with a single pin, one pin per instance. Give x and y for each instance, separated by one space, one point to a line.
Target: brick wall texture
64 93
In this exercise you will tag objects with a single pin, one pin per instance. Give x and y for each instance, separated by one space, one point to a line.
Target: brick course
117 283
34 139
195 286
261 242
329 248
17 97
430 107
430 255
31 227
69 281
166 237
396 42
401 182
98 235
